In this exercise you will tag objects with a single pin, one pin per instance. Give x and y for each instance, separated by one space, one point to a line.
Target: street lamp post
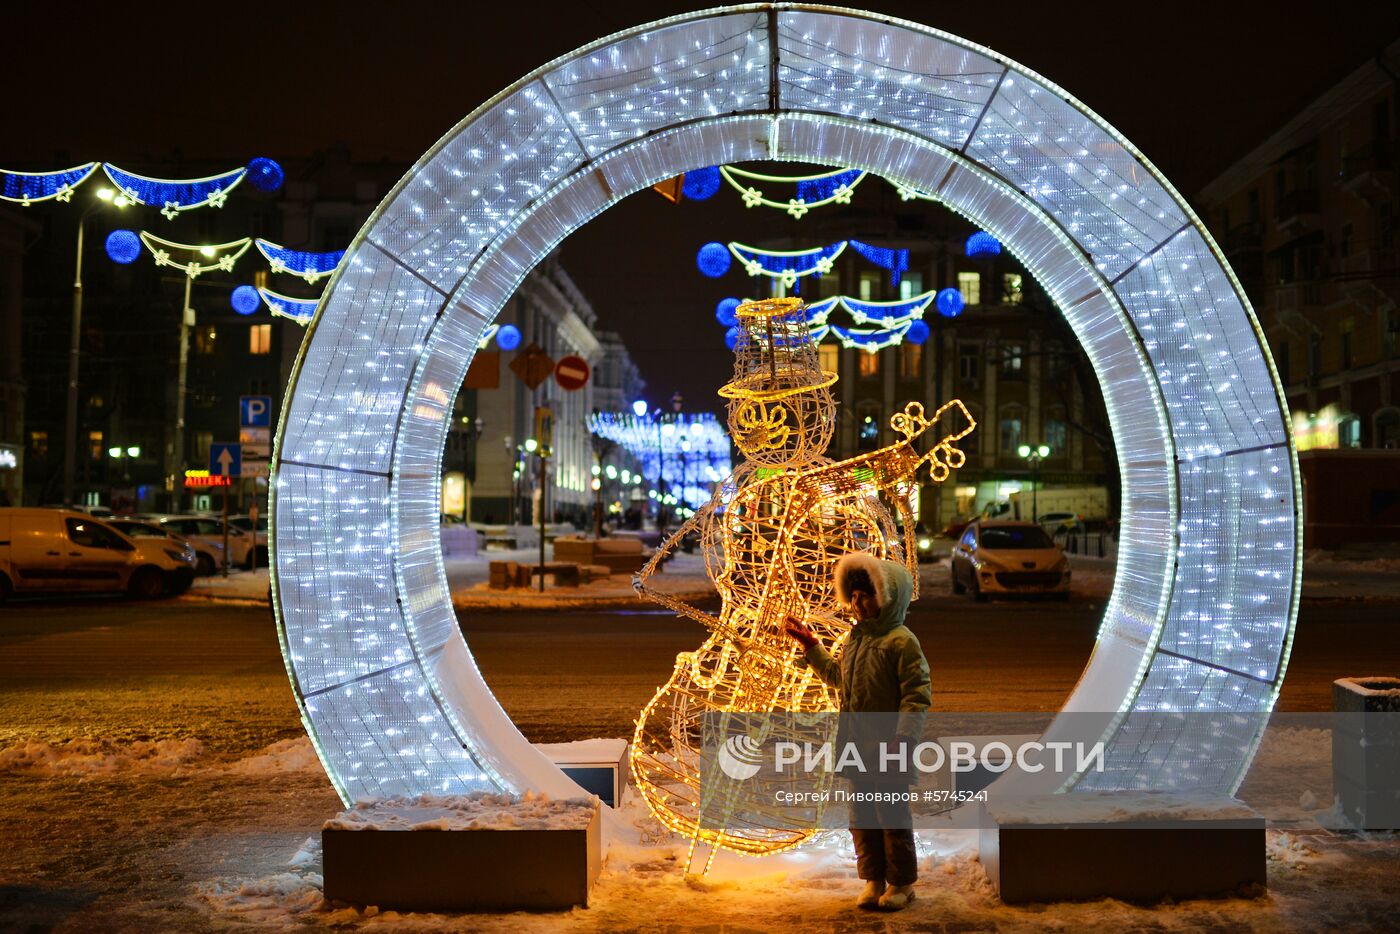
75 344
1035 456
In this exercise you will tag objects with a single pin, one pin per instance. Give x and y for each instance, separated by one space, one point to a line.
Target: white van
62 550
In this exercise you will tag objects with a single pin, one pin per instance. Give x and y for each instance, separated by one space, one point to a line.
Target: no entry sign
571 372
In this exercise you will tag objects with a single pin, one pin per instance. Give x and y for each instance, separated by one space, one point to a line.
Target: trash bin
1366 751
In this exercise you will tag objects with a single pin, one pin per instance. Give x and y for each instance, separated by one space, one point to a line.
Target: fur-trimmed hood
893 588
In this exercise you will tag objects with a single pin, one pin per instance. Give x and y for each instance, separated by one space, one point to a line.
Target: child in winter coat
881 668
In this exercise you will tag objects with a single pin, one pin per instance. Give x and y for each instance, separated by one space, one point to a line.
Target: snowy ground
1329 576
194 841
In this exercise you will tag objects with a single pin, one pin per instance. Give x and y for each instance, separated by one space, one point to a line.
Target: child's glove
799 631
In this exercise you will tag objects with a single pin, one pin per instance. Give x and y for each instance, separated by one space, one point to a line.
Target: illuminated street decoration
1205 598
701 184
790 265
300 310
26 188
245 300
950 303
771 536
194 259
713 260
813 191
871 340
888 314
173 196
896 261
486 335
310 266
688 452
265 174
982 244
123 246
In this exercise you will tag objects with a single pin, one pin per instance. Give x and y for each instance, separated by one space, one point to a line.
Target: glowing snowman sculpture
771 536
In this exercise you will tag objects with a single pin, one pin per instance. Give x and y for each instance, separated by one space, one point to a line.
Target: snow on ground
477 811
1326 576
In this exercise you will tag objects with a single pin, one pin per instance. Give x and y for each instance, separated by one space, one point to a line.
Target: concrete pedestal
463 870
1366 751
1134 846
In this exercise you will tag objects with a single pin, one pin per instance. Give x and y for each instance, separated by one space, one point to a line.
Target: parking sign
255 412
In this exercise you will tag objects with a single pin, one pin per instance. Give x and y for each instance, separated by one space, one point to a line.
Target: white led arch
1203 608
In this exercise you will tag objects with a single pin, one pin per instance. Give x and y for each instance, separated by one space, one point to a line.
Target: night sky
1190 85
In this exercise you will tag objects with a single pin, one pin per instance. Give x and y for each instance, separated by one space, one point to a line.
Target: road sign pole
226 492
542 506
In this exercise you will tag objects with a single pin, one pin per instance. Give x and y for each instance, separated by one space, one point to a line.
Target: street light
104 196
1035 456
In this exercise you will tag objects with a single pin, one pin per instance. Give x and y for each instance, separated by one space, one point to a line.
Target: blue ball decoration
983 244
917 333
245 299
950 303
265 174
731 338
714 259
701 184
508 337
123 246
726 312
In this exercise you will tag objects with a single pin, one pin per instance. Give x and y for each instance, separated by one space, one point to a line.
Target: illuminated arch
1205 599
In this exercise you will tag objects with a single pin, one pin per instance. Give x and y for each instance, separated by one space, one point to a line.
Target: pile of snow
282 757
83 757
478 811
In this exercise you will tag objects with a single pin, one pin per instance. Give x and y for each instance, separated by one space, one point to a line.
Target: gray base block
463 870
1135 860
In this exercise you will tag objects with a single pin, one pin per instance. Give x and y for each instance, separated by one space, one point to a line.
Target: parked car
63 550
207 535
1001 556
256 558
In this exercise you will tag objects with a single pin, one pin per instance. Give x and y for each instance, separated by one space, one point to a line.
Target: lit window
95 445
869 285
868 364
829 357
911 361
911 284
204 339
1011 361
970 285
1010 435
39 443
260 339
1055 436
1011 288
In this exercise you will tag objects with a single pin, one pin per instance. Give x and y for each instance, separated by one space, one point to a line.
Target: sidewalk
684 576
1327 577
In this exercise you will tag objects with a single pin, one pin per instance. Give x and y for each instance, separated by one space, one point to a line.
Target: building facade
1009 356
1308 219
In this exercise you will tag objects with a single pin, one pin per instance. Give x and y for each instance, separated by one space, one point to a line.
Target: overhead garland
871 340
176 195
888 314
220 256
300 310
310 266
787 266
896 261
813 191
25 188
